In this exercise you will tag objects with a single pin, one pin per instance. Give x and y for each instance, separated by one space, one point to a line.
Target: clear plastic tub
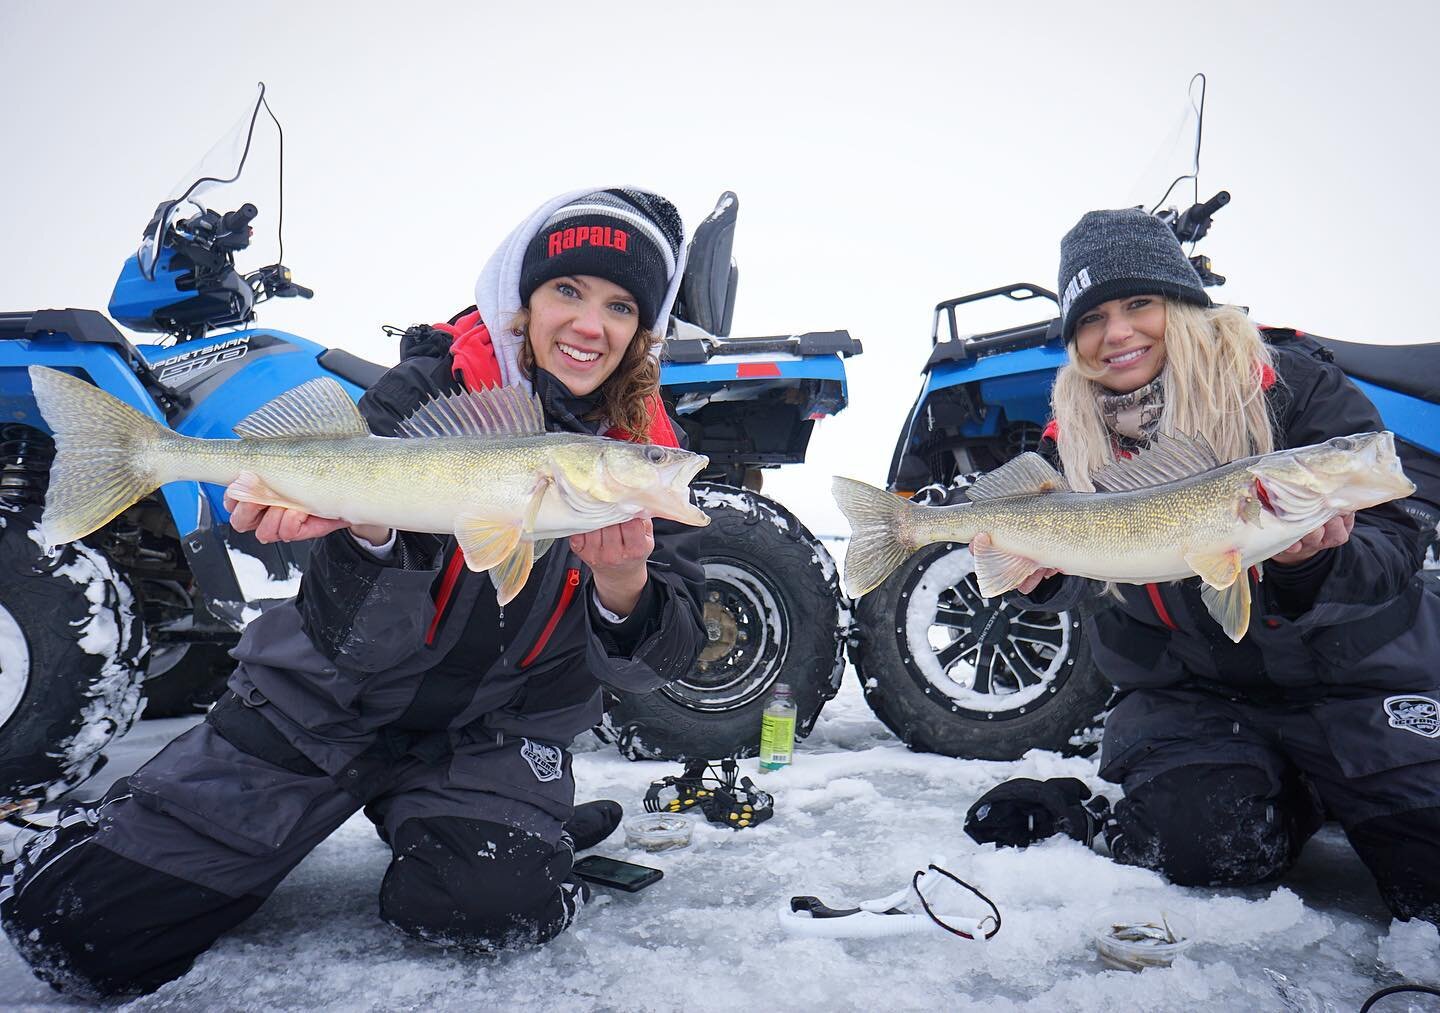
1136 939
657 831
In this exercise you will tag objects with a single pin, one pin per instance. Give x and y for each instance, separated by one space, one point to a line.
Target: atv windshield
1171 179
218 171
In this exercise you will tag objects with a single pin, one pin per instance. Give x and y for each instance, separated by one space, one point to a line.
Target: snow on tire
773 613
953 673
72 653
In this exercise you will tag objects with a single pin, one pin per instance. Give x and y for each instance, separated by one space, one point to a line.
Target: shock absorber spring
25 458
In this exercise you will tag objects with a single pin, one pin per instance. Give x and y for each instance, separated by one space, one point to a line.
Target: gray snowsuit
1231 755
397 685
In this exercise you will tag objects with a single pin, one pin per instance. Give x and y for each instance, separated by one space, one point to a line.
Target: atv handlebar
1193 225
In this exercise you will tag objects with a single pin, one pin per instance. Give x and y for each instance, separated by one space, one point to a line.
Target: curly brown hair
625 392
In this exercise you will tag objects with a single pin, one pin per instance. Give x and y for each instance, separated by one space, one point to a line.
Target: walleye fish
477 465
1171 512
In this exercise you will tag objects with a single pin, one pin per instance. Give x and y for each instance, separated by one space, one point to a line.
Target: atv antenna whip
1194 174
280 198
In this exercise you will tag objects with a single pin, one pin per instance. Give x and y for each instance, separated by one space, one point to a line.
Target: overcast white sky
886 155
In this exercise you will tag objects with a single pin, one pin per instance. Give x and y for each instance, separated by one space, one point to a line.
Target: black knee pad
477 884
1402 852
1212 825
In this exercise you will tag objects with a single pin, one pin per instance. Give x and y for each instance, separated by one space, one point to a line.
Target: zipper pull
572 578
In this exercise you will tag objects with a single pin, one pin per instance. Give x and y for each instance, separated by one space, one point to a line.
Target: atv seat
361 372
1409 369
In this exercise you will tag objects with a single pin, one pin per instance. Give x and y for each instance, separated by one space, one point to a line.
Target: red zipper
572 581
447 586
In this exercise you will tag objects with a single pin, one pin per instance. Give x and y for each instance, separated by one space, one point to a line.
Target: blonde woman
1231 755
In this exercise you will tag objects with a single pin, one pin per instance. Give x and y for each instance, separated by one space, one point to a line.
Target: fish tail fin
877 542
101 455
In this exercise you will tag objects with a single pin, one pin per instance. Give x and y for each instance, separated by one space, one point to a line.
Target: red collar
478 368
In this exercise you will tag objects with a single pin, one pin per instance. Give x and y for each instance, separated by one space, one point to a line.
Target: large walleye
1169 513
478 465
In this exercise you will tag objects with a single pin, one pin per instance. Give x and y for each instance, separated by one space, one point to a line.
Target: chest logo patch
546 762
1418 714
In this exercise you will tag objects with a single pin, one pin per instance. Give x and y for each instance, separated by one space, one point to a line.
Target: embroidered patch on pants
546 761
1418 714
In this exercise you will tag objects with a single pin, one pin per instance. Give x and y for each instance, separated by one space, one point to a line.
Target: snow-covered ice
855 815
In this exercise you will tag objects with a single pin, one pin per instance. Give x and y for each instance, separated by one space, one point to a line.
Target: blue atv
949 671
148 607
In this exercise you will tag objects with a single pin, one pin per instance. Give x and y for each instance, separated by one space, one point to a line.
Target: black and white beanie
629 237
1115 254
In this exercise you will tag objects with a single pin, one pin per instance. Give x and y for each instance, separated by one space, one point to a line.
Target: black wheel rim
979 658
747 629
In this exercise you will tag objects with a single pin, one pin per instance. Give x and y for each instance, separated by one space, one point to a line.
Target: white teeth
1121 360
576 354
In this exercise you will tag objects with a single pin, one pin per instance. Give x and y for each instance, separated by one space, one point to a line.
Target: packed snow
854 816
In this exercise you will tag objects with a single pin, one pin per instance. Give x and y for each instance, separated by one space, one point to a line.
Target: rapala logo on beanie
1078 284
586 235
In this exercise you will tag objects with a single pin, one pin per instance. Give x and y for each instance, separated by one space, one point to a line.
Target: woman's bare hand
1334 532
282 524
617 556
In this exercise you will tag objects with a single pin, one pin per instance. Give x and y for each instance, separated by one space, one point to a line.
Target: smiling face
580 326
1124 341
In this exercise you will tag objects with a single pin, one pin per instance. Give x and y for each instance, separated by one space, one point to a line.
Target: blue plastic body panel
135 298
1018 382
1409 418
684 377
255 382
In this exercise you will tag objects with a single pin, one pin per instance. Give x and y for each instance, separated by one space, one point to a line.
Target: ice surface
855 815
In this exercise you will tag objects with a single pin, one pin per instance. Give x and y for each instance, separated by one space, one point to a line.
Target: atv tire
773 613
953 673
72 661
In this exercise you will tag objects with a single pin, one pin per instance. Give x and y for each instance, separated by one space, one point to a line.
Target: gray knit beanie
1114 254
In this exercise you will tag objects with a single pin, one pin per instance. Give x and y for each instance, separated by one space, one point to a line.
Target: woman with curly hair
394 681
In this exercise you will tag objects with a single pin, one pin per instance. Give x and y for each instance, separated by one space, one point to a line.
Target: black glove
1021 811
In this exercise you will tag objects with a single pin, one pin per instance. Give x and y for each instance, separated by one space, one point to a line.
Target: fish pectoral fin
1216 569
486 541
998 571
510 576
542 546
249 487
1230 606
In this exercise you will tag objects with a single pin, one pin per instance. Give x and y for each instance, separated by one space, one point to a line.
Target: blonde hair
1212 380
625 393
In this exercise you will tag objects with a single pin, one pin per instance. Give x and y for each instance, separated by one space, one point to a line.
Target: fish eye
1342 443
654 454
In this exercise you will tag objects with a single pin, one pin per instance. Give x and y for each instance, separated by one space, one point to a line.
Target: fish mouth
673 499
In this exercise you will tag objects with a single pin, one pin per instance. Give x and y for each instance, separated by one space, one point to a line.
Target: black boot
592 822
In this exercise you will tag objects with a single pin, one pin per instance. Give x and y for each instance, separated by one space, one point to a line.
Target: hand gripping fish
1171 512
478 465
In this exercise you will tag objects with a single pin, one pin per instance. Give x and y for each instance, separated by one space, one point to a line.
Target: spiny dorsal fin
1167 459
1027 475
317 408
499 411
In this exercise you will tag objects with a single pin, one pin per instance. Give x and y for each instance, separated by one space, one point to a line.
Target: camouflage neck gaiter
1135 416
